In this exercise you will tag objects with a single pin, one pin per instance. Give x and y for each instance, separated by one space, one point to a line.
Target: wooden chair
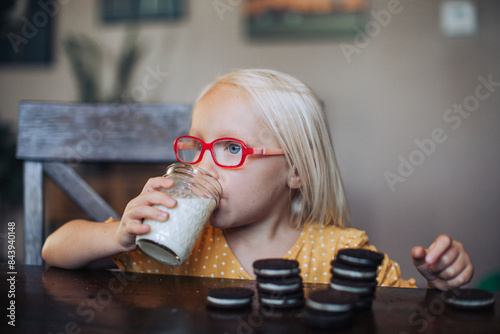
53 136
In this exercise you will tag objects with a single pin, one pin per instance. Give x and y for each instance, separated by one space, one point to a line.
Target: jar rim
198 177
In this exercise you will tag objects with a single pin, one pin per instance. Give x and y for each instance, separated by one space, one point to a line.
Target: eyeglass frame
209 146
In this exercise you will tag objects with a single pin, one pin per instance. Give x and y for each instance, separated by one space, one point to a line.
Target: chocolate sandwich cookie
282 300
287 284
341 269
329 309
327 320
469 299
328 300
230 298
358 287
276 267
360 257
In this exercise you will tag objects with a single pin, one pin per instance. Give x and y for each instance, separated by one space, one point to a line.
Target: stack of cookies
355 271
279 284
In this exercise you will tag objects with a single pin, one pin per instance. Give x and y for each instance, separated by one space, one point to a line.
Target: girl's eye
234 148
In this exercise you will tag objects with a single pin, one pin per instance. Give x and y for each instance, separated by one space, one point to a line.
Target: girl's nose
207 163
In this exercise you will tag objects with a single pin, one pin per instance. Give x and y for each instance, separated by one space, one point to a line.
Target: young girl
290 205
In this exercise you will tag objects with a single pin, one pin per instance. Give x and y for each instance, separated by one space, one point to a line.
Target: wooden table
60 301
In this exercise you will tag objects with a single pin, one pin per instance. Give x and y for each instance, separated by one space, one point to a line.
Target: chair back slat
101 133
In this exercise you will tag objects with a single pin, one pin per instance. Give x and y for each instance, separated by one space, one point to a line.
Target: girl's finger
438 248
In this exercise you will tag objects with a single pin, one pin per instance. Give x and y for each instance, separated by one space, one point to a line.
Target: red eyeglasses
226 152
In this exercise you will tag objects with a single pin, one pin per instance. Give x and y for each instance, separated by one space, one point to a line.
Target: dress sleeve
389 272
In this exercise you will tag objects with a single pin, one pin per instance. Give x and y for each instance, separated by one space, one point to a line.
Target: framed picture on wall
299 19
116 11
26 32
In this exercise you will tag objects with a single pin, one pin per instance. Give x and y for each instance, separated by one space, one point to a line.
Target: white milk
171 241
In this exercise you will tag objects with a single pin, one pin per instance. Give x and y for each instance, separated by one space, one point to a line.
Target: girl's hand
141 208
445 264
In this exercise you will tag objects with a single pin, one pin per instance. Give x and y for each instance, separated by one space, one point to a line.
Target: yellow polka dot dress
316 247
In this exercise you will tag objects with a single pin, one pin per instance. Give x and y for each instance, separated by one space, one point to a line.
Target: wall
396 92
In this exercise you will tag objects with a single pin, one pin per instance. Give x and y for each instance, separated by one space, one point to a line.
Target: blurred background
412 100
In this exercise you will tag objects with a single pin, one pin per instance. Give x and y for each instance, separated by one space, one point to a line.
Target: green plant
86 58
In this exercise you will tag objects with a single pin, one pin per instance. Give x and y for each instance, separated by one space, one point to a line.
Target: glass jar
197 194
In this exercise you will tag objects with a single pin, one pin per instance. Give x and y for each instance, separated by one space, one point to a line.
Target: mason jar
198 195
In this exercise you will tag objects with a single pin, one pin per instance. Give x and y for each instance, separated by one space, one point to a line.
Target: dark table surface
50 300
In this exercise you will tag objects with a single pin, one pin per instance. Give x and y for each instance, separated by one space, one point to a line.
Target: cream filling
277 301
277 287
328 307
276 272
352 273
472 303
349 288
228 302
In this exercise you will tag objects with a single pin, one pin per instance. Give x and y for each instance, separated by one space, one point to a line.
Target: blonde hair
294 115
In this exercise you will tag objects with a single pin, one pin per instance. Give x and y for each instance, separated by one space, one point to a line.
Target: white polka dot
232 271
223 263
395 278
204 267
215 266
222 273
224 254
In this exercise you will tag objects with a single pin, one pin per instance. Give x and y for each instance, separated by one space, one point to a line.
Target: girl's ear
294 181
